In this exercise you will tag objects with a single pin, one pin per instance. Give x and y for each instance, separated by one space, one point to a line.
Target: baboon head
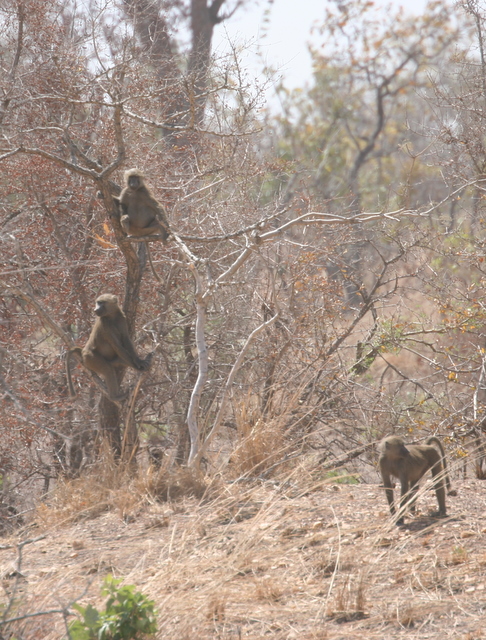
106 305
134 179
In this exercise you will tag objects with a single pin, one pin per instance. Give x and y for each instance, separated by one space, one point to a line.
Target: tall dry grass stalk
263 441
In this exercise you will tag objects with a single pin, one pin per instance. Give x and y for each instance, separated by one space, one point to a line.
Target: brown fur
108 347
408 463
141 214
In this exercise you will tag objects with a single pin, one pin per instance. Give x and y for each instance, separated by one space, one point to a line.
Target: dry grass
108 486
104 487
286 558
173 484
261 442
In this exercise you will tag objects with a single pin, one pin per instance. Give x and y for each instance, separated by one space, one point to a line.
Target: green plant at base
128 615
342 477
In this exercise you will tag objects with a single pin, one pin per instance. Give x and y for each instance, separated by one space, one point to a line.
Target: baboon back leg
437 473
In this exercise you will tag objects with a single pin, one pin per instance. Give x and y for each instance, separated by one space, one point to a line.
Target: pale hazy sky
286 35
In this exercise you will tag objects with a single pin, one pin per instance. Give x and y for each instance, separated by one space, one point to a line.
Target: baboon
109 346
141 214
409 463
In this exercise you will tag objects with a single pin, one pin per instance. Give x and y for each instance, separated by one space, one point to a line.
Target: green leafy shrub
128 615
342 477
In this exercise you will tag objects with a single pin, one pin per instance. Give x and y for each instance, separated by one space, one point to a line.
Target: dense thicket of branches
284 310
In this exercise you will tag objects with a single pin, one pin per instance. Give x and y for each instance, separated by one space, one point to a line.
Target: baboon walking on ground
408 463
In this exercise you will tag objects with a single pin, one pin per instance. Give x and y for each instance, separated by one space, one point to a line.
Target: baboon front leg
404 498
413 496
389 492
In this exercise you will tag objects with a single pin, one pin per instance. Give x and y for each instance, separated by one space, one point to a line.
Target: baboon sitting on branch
408 463
141 214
